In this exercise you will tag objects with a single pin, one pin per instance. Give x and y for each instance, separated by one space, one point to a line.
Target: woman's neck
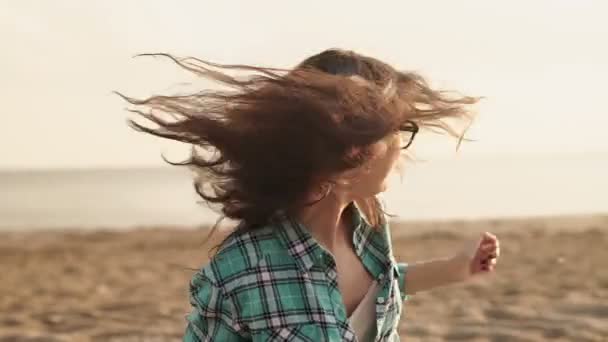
326 221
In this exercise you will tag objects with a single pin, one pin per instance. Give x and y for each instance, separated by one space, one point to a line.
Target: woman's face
371 178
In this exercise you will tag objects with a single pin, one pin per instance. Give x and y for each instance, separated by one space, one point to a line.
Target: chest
353 278
312 306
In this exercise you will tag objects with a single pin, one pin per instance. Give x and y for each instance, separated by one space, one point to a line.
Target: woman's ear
326 188
321 191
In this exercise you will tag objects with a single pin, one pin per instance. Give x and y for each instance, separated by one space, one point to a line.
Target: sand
551 283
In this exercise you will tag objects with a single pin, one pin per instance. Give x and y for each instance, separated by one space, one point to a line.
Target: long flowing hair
264 137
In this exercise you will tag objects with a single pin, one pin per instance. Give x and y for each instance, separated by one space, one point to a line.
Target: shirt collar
306 250
299 242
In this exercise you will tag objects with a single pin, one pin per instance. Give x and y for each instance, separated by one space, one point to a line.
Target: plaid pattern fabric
278 284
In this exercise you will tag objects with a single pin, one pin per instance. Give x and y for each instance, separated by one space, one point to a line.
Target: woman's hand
477 257
480 255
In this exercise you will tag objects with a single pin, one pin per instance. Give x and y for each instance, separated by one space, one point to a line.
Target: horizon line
150 166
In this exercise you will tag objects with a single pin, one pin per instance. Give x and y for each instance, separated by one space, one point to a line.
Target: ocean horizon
434 190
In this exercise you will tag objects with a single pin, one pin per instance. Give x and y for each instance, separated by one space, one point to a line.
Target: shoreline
567 222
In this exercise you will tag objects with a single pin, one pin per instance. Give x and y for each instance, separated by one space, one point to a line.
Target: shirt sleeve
402 270
212 317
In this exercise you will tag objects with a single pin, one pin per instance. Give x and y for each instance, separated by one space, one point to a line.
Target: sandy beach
551 283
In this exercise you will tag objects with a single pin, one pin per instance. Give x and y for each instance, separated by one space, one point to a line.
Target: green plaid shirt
278 284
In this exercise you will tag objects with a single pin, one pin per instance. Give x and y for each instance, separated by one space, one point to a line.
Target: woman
298 158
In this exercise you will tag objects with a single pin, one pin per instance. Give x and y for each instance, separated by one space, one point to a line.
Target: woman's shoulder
239 257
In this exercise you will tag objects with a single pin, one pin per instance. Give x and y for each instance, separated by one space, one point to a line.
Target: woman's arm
479 256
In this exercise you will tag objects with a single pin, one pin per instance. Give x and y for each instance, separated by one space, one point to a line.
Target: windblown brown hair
268 136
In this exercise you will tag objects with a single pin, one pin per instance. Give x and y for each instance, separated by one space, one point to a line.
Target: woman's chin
382 188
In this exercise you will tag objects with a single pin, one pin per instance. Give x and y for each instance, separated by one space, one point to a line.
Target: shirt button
380 300
381 276
331 273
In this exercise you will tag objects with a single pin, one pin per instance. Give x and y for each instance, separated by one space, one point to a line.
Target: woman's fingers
488 260
488 265
487 248
483 253
490 236
488 252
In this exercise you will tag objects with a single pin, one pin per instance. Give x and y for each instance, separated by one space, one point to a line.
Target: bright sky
541 64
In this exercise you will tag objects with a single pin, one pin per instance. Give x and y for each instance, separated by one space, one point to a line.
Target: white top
363 319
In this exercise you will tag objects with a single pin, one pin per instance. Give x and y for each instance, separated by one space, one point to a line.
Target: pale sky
541 65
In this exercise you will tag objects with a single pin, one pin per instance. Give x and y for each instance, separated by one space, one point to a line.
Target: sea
463 189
